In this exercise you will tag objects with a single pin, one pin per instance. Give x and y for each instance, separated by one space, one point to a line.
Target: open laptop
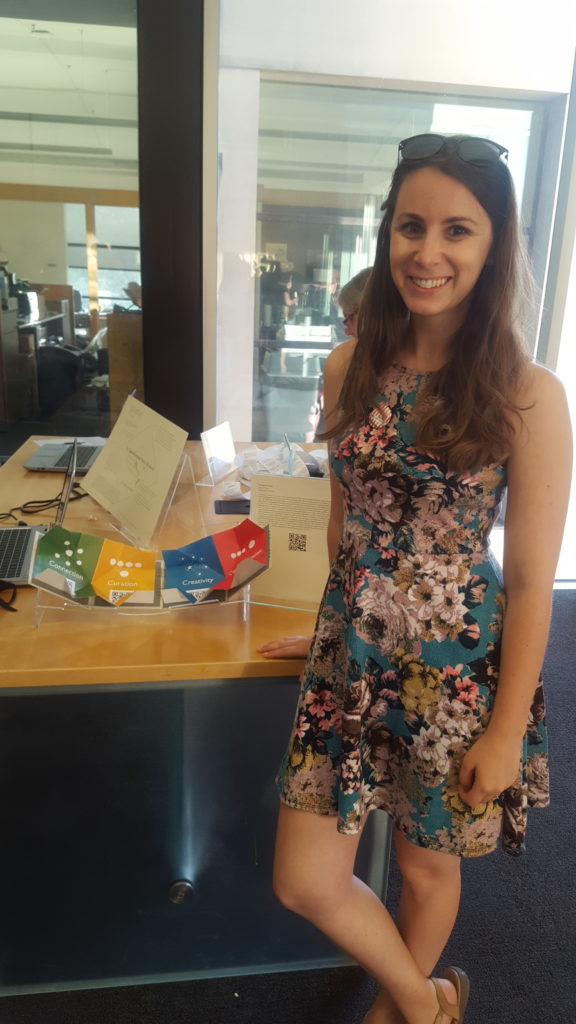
53 457
18 543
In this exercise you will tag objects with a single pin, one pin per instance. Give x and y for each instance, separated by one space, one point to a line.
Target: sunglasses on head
470 149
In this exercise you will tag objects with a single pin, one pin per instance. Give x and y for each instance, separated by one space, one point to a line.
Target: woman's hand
287 647
489 767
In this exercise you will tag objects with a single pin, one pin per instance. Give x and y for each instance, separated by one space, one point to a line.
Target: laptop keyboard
84 454
13 548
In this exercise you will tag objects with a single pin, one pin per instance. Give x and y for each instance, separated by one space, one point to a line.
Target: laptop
18 543
53 457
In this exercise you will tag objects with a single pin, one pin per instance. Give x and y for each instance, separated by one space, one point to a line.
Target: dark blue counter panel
110 795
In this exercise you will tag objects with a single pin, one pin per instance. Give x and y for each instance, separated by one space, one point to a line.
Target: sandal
461 983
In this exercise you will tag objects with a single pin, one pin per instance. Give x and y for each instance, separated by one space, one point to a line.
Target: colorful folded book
216 566
79 566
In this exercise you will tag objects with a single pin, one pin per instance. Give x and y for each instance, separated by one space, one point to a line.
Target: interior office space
257 136
283 155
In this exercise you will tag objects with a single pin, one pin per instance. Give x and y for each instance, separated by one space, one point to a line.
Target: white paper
132 475
296 509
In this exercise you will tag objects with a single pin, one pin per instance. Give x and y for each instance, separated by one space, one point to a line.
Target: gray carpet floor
516 933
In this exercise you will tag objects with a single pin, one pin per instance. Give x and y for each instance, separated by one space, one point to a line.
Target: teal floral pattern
403 668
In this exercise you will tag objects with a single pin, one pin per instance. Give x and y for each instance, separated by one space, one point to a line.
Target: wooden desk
134 752
209 642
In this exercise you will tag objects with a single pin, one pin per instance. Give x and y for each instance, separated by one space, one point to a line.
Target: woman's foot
451 993
448 1000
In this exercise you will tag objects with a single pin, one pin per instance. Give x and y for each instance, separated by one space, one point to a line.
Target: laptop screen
67 485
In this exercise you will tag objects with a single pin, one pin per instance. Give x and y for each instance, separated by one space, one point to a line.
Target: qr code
117 595
297 542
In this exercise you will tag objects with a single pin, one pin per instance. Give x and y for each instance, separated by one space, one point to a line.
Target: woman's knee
303 892
424 870
313 864
292 892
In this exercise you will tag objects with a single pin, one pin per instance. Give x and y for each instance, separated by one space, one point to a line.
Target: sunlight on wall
567 372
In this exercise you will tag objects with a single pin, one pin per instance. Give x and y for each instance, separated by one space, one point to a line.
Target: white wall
563 330
508 44
500 46
236 236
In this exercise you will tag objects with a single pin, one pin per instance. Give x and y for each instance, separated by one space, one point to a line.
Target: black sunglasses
470 149
7 602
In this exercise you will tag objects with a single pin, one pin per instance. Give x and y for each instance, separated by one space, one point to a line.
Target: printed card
123 572
216 566
65 563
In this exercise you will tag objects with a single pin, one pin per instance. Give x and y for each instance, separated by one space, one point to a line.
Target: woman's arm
335 369
539 472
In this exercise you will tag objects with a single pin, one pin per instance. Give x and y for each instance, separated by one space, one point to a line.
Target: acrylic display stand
219 452
181 521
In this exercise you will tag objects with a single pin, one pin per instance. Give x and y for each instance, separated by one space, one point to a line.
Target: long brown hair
467 411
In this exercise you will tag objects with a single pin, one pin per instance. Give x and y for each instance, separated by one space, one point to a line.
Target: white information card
296 509
132 475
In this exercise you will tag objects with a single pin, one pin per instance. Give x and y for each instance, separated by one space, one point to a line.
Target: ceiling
69 111
102 12
68 102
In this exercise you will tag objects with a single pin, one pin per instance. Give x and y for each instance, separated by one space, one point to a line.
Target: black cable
38 505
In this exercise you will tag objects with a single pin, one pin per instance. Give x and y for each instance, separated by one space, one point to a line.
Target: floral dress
403 668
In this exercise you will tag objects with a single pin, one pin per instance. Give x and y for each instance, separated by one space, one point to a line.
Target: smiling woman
421 693
448 255
440 241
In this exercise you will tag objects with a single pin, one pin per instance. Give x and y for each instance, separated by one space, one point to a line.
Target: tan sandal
455 1011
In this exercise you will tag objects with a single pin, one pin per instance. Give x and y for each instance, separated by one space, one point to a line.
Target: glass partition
69 222
311 163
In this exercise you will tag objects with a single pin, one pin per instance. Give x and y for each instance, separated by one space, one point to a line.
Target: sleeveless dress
403 668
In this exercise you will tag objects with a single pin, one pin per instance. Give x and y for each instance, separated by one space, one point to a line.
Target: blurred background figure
349 302
349 299
134 292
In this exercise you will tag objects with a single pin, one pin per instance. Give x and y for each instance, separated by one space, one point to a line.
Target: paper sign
133 473
296 509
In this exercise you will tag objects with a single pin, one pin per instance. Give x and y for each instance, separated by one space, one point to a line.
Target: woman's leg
429 902
314 876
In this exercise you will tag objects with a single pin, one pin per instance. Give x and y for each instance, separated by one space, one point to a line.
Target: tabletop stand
181 508
182 492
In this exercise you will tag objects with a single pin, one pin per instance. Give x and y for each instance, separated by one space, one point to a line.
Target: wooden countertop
80 646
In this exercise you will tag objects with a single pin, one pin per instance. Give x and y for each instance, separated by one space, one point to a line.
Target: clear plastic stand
181 522
219 452
183 485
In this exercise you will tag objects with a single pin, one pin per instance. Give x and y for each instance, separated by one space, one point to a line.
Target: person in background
349 300
134 292
421 693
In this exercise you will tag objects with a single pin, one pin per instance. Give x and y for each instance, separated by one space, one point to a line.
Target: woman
421 692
